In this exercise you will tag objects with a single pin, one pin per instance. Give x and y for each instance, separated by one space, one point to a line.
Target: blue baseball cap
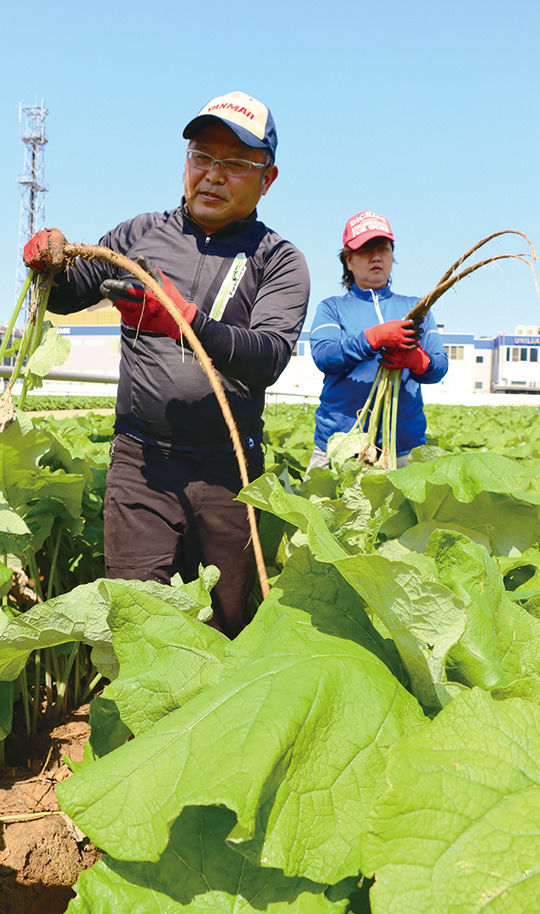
249 119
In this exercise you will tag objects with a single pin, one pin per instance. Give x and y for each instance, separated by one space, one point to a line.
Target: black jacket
164 395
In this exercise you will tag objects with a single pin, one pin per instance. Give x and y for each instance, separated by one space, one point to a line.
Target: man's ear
269 177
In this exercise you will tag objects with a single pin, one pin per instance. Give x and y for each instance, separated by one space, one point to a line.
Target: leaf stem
36 321
20 301
396 383
37 686
62 684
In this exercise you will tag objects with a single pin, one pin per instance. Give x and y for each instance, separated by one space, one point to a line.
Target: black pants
166 513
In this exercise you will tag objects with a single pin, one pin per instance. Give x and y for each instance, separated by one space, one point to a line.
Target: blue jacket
340 350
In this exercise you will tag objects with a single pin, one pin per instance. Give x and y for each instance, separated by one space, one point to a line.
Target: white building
481 369
515 361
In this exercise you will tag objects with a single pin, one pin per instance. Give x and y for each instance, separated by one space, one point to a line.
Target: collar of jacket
229 229
367 294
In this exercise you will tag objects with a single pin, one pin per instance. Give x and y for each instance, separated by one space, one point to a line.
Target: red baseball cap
363 227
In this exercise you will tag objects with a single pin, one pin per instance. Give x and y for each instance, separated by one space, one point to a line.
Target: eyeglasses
236 168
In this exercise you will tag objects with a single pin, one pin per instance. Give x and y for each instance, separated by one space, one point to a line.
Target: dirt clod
42 852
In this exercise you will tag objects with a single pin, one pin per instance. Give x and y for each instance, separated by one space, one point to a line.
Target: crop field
369 744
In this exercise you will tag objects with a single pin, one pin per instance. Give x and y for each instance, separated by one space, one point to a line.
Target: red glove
393 334
45 251
416 360
141 309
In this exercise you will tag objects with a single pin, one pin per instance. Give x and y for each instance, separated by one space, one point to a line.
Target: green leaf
488 494
6 580
156 630
417 537
197 874
36 493
316 593
15 535
267 494
423 617
80 615
501 641
6 709
522 574
294 743
457 829
107 731
53 350
344 445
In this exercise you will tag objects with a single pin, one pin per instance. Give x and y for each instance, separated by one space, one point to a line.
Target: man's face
214 198
371 265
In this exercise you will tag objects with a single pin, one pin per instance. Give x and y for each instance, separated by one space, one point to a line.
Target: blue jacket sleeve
334 352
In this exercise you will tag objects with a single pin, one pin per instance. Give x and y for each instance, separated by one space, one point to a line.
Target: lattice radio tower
32 181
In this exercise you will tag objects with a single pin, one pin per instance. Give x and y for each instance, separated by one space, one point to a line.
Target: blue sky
424 111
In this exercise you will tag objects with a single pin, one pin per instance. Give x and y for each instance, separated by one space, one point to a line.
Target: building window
455 352
478 385
515 355
533 355
479 359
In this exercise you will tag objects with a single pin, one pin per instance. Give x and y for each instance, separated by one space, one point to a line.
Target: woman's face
371 265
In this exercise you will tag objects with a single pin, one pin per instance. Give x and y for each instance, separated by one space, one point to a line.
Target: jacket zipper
198 271
376 303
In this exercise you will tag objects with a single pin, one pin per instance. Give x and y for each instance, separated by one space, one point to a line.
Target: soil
42 851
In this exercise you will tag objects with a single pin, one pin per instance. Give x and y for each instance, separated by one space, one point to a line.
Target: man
173 476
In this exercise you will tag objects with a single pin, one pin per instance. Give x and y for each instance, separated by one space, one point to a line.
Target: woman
352 333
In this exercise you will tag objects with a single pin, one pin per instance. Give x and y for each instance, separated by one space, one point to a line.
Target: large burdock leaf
490 495
501 641
268 494
467 475
81 615
36 493
459 827
15 535
295 743
314 592
423 617
197 874
166 656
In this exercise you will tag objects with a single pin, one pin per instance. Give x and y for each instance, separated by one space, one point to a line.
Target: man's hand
416 360
45 251
141 309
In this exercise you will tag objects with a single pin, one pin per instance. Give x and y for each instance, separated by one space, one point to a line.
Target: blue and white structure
482 370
